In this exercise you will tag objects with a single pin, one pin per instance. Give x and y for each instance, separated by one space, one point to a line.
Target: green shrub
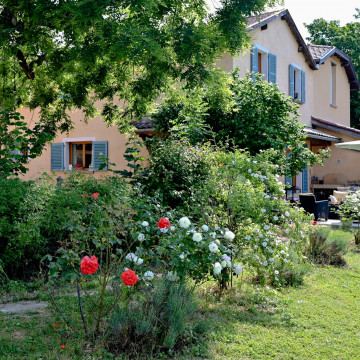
154 319
36 216
328 246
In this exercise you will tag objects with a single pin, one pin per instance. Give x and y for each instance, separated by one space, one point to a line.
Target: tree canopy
61 55
347 39
254 115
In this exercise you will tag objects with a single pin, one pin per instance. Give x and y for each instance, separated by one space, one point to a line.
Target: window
333 84
81 154
297 83
263 62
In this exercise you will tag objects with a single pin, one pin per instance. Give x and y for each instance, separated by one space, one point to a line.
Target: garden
196 255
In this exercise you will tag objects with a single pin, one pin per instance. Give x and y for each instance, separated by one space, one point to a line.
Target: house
318 78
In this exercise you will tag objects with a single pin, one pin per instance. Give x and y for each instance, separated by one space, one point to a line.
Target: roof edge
330 125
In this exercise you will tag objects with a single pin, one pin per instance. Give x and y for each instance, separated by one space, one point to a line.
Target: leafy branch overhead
58 55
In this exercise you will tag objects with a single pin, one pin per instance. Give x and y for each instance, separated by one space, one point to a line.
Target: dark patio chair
320 209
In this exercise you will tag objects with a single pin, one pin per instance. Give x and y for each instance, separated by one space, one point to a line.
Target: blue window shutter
254 60
272 68
291 81
289 182
305 180
100 151
57 156
302 86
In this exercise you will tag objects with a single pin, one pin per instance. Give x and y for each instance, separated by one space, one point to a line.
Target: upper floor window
297 83
263 62
333 84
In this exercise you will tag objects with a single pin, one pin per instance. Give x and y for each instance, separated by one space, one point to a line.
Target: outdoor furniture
320 209
340 196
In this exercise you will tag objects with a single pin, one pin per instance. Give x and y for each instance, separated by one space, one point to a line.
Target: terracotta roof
317 134
318 51
252 20
144 123
330 125
322 52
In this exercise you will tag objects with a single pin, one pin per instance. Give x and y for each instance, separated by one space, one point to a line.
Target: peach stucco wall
96 129
341 161
322 93
278 40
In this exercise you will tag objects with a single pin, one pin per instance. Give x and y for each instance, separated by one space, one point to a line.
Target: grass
319 320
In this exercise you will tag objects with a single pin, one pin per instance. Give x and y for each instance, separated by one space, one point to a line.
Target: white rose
205 228
131 257
184 222
141 237
197 237
149 275
238 269
213 247
213 235
223 264
276 272
226 257
172 228
145 223
229 235
264 244
217 268
182 256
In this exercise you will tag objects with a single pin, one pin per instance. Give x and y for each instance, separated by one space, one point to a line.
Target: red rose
89 266
129 277
62 346
314 223
163 223
95 195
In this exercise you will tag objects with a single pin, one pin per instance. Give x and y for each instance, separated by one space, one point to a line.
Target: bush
154 319
328 246
36 216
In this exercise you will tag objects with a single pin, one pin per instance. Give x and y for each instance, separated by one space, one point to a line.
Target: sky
305 11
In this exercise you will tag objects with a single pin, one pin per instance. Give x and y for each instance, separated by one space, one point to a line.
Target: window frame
333 85
83 155
298 76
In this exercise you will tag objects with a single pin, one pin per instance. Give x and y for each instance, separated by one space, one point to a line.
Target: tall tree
58 55
347 39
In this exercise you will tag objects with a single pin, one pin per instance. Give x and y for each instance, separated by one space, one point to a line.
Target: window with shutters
263 62
79 154
297 83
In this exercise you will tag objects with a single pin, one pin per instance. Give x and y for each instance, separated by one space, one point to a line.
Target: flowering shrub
350 211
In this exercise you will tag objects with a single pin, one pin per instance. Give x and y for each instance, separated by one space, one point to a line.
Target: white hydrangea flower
205 228
138 261
148 276
225 257
217 268
184 222
197 237
229 235
213 247
131 257
238 269
172 276
141 237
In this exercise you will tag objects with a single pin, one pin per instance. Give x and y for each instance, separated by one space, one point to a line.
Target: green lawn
319 320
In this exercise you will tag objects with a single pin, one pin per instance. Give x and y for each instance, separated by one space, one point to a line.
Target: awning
351 145
320 135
